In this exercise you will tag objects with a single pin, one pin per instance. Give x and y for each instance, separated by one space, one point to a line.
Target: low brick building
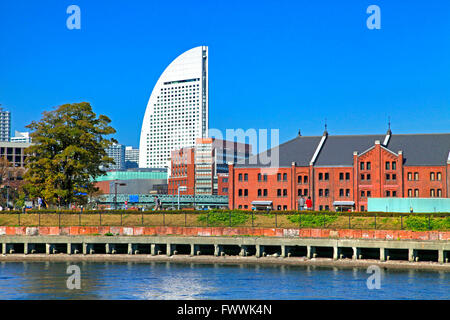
203 168
342 172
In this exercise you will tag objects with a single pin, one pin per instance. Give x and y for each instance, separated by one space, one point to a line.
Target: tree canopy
68 152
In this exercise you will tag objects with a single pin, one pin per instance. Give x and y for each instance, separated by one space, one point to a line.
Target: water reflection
132 280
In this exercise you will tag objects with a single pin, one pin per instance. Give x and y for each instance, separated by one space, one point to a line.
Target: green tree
67 154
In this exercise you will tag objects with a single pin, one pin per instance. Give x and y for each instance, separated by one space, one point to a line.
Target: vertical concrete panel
383 254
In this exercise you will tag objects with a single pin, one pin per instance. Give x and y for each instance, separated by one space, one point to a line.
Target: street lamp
7 196
115 192
182 189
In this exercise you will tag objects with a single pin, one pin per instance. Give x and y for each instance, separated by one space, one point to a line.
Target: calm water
47 280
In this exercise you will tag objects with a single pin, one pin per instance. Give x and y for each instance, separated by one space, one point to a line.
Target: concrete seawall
222 231
258 247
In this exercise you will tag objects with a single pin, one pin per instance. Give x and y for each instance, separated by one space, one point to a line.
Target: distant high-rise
177 111
5 125
131 157
117 152
21 137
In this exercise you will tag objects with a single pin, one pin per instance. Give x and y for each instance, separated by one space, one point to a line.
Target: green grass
424 223
220 218
313 220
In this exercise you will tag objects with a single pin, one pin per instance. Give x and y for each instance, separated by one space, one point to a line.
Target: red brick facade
182 171
222 184
376 172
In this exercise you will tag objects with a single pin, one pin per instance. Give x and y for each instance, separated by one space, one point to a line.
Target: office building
204 168
177 111
5 125
23 137
14 152
117 152
131 157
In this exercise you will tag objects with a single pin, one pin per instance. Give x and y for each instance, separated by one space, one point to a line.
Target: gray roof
418 150
421 149
338 150
300 149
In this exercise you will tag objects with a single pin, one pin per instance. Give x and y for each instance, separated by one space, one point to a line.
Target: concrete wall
220 231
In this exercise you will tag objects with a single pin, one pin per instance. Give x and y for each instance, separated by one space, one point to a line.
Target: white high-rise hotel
177 112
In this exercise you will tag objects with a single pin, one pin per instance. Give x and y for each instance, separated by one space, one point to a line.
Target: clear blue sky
273 64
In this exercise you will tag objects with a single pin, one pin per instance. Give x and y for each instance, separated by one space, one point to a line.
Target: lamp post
182 189
7 196
115 192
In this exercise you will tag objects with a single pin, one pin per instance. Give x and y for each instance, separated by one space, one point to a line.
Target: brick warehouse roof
299 149
338 150
418 150
422 149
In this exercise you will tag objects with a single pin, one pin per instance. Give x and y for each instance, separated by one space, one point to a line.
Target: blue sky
286 65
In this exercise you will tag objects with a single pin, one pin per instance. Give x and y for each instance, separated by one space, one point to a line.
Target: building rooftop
418 150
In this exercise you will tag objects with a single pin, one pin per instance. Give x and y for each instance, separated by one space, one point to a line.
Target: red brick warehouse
344 170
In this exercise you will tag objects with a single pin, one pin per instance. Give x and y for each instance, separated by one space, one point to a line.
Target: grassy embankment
234 218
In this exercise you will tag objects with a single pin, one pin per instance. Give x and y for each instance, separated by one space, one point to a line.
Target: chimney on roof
299 133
